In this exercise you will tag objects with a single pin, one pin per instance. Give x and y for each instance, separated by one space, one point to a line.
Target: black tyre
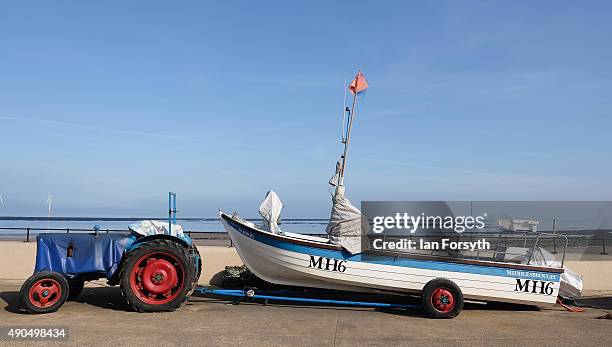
442 298
43 292
196 259
75 287
157 276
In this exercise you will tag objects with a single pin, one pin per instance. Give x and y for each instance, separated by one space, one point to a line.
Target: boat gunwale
315 244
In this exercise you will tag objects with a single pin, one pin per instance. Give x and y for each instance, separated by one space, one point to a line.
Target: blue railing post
171 210
174 209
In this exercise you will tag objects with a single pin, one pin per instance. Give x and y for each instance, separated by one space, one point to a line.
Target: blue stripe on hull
391 260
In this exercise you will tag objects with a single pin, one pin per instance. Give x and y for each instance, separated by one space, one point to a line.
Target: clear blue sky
109 105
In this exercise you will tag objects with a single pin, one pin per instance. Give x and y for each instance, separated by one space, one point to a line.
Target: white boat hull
286 261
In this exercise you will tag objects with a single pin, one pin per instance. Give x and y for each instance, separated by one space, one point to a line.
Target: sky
110 105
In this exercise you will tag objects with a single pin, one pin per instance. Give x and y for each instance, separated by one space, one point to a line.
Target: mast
347 138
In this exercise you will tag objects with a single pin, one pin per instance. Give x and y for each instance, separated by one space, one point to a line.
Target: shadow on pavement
103 297
12 302
500 306
410 300
600 302
491 306
111 298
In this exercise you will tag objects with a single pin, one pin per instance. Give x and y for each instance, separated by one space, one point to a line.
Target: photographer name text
421 244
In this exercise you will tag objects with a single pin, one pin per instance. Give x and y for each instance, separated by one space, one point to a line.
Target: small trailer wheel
442 298
43 292
75 287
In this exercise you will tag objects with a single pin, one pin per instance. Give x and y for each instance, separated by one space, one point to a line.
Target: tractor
156 266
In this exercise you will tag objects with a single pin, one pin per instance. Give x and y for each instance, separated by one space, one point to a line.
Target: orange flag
359 84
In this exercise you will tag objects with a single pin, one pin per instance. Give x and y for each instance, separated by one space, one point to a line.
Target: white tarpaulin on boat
571 282
153 227
335 180
270 210
344 227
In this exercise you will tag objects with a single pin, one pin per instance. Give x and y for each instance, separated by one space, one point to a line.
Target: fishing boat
340 262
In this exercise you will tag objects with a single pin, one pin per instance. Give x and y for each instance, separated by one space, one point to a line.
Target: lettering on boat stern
537 283
327 264
533 286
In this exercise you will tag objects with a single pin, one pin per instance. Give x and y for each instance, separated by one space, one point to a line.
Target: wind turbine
48 211
48 203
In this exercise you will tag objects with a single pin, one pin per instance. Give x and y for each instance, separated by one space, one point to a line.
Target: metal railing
574 242
554 237
30 232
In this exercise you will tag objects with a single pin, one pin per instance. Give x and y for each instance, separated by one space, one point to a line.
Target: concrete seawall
18 258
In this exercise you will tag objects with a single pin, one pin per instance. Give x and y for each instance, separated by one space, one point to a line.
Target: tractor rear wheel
43 292
157 276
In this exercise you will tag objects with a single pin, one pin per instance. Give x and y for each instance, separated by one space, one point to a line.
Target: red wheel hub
157 278
443 300
45 292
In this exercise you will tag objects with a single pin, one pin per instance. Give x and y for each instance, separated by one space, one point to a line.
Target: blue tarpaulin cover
100 254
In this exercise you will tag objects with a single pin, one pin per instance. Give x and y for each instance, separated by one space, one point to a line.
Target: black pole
28 235
554 237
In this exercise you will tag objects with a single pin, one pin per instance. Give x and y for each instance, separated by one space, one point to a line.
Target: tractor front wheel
157 276
43 292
